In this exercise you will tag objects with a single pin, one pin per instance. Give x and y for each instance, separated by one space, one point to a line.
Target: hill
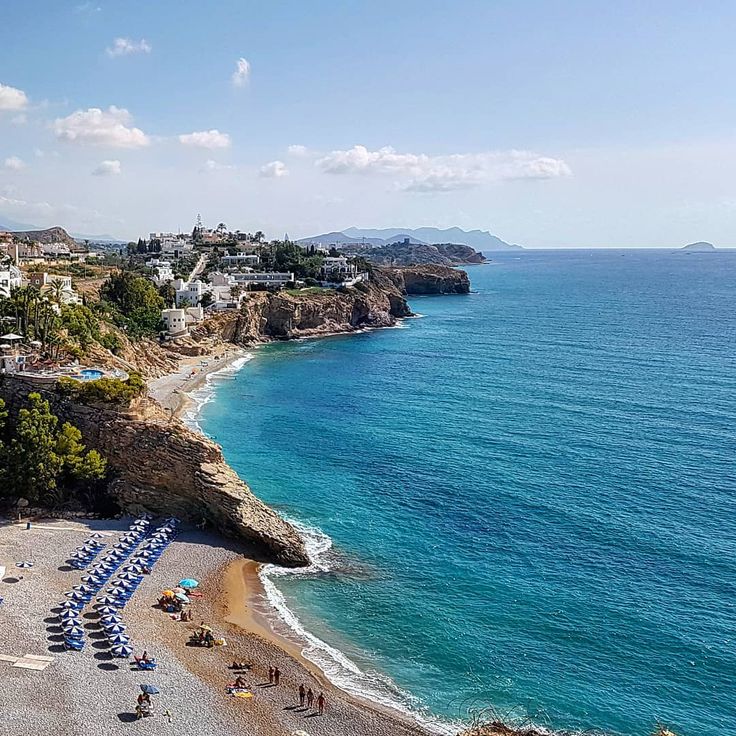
414 254
49 235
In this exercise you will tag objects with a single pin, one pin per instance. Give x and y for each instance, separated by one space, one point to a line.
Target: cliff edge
161 466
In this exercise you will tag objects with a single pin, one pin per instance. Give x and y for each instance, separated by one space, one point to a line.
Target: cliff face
422 280
414 253
160 465
282 316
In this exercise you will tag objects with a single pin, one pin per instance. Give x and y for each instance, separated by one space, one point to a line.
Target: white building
10 278
163 271
47 282
178 321
189 292
262 279
241 259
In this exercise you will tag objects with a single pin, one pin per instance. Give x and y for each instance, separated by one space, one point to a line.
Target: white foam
339 668
206 393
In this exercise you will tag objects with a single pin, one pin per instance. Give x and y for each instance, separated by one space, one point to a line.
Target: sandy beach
90 692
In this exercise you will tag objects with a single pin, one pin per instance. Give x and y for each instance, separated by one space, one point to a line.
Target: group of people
308 696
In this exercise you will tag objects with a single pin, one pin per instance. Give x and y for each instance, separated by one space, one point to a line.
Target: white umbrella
24 563
69 613
114 628
119 639
106 609
11 336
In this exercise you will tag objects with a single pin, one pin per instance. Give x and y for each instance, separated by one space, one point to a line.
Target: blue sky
548 123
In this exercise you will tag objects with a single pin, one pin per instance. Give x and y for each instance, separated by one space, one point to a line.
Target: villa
163 270
50 282
241 259
338 270
178 321
189 292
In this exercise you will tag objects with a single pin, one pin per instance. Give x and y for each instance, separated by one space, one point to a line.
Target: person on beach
302 695
321 703
310 698
270 675
276 675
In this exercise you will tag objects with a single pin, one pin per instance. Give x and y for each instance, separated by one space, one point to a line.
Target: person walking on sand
302 695
310 698
270 675
276 675
321 703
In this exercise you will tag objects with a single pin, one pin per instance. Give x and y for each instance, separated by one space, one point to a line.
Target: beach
90 692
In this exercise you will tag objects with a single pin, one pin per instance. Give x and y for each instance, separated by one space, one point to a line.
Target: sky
550 124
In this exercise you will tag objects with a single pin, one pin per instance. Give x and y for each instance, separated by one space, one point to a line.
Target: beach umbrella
69 613
83 588
75 595
182 597
121 650
69 605
117 591
129 576
107 600
96 535
109 619
122 546
91 579
131 567
24 563
114 629
188 583
106 609
150 689
73 631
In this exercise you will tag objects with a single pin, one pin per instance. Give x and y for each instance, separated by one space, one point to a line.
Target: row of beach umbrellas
129 568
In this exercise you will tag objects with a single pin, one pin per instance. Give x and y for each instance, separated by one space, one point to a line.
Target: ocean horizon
522 500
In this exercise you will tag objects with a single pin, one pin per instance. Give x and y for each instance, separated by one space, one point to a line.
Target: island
700 247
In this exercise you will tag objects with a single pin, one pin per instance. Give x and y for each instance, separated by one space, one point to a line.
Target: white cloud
274 170
12 98
127 47
212 165
206 139
109 167
241 74
298 151
14 163
96 127
424 173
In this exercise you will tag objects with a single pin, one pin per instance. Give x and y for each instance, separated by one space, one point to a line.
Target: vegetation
32 314
286 256
104 390
42 461
133 303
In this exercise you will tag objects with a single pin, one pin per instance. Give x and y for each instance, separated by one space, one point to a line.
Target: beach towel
243 694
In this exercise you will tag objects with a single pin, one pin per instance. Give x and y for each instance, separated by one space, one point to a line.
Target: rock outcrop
285 315
160 465
413 254
422 280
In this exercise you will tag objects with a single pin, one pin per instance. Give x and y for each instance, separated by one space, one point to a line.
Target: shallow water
529 492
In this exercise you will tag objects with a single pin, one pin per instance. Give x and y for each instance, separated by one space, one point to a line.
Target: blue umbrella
91 579
70 605
150 689
69 613
129 576
110 619
119 640
73 632
24 563
96 535
75 595
188 583
117 591
107 600
121 650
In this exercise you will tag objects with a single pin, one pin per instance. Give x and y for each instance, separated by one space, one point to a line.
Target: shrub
104 390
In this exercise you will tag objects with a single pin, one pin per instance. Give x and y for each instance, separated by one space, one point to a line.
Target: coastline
245 605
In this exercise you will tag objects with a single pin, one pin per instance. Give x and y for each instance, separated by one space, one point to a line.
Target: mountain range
481 240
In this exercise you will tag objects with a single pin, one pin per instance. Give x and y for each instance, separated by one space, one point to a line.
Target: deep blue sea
529 492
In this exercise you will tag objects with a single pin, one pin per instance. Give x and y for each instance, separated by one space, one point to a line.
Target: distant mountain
700 247
478 239
49 235
338 238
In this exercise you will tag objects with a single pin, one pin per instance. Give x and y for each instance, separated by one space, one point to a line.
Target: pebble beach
90 692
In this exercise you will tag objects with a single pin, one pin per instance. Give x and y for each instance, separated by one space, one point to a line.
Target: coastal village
130 550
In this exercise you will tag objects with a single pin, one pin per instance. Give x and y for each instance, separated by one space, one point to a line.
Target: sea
520 504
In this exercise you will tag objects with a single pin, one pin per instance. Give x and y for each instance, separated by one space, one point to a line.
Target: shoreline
243 590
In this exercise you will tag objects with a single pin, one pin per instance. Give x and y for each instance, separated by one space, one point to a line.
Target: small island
700 247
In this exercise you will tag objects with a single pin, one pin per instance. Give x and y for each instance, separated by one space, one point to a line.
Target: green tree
78 465
34 465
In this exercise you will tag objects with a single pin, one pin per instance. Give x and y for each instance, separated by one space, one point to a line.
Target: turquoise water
530 491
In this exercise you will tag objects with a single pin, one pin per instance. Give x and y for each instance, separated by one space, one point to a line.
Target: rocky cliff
161 466
412 254
422 280
285 315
